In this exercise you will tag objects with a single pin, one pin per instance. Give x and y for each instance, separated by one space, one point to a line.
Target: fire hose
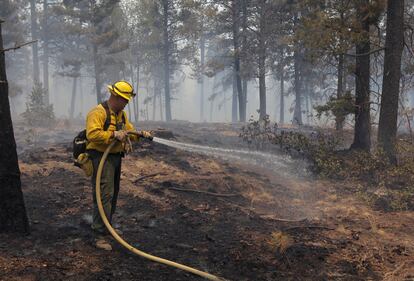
125 244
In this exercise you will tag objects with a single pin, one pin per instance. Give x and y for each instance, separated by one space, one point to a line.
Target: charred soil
238 221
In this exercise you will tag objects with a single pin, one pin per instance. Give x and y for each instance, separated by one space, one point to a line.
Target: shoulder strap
108 115
123 117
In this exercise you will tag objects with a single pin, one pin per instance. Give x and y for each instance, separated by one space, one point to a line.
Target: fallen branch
310 227
270 217
149 176
17 46
200 191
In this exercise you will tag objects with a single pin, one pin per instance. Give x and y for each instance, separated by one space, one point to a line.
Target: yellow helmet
123 89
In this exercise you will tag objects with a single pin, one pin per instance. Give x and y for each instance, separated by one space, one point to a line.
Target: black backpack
80 141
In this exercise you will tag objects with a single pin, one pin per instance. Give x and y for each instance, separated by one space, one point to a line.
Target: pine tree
38 113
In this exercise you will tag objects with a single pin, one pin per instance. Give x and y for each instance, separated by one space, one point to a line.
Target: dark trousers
110 180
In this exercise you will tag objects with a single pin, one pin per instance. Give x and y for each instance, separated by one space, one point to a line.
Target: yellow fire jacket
98 139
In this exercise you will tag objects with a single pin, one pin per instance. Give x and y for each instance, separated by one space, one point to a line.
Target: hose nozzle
146 135
142 135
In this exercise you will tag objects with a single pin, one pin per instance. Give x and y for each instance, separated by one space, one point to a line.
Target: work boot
102 243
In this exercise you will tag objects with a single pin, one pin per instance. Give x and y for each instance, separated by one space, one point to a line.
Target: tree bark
135 99
362 132
132 102
211 110
136 107
394 45
262 60
13 217
137 85
161 106
244 105
73 99
307 98
297 114
202 58
236 46
35 51
282 89
262 88
166 51
339 120
154 99
234 98
97 68
45 53
243 99
80 87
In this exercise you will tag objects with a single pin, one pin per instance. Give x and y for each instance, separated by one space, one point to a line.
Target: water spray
277 162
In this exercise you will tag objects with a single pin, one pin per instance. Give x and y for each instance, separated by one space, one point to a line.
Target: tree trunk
13 216
35 51
136 100
262 88
307 108
282 90
394 45
298 67
297 114
202 52
97 68
243 101
262 61
161 110
234 99
245 85
72 103
154 99
340 119
211 111
362 132
166 50
147 106
236 46
80 94
132 102
45 53
129 111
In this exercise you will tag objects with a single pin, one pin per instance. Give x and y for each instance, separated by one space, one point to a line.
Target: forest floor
272 226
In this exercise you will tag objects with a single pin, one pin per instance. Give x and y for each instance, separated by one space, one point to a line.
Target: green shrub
37 113
386 186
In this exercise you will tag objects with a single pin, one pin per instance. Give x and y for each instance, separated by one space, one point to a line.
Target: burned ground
235 220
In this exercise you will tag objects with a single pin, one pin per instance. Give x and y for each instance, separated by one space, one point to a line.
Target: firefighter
104 124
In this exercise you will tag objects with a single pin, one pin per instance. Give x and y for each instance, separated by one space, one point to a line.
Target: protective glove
146 134
120 135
